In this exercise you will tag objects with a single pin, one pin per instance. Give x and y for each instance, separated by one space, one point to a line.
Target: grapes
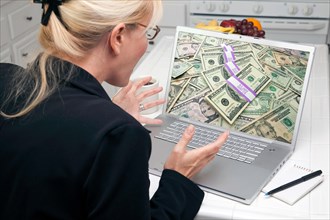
261 33
250 31
245 27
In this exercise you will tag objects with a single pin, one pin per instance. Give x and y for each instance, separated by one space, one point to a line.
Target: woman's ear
116 38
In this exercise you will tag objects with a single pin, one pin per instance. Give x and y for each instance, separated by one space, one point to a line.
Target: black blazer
80 156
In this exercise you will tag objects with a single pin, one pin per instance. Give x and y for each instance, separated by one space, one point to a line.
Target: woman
69 152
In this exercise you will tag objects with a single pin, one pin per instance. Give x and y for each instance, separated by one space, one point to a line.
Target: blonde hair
82 25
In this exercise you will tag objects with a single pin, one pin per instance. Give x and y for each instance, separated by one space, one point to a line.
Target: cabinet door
24 19
5 37
5 56
26 49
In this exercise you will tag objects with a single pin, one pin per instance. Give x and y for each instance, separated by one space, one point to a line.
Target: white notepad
292 171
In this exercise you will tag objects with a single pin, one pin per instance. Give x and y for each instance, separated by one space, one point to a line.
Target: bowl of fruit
248 26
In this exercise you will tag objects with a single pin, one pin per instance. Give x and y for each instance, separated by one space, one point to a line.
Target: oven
297 21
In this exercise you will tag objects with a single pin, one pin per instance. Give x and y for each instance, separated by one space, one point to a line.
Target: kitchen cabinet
19 31
174 14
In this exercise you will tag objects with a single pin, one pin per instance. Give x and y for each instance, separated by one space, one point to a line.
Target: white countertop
312 148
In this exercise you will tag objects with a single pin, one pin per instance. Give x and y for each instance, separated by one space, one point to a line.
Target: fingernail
190 129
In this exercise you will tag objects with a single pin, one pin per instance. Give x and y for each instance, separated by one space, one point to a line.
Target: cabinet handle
29 18
151 42
25 54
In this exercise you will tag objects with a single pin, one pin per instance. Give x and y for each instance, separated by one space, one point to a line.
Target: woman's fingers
150 121
185 139
141 82
149 93
214 147
149 105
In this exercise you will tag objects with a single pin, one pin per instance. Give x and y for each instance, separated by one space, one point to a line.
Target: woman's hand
190 162
128 99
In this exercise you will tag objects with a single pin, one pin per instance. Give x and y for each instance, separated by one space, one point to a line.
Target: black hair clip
52 7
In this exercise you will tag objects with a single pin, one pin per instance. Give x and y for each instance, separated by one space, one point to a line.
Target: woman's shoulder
9 65
87 112
8 69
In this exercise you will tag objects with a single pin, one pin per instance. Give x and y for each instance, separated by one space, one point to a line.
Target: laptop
253 87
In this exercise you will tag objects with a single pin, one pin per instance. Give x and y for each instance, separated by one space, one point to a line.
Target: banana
213 22
229 30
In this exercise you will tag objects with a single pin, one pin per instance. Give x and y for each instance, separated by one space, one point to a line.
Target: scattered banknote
180 67
176 88
277 124
281 79
187 49
196 108
229 102
211 60
216 77
188 92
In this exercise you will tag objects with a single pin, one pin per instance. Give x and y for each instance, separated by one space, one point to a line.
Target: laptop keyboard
235 147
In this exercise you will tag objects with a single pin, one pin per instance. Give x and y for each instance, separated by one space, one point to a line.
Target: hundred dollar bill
260 105
211 60
277 124
196 109
215 77
176 88
229 102
274 89
180 67
264 102
250 59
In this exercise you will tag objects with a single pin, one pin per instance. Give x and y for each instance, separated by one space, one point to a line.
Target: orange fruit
255 23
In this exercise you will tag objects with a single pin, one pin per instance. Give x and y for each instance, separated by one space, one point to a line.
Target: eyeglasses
151 33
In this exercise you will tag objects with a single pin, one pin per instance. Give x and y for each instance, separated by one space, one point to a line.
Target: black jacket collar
84 80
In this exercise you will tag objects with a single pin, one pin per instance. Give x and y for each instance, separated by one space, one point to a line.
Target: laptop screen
239 83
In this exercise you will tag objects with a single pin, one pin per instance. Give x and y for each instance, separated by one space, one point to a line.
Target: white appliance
291 20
